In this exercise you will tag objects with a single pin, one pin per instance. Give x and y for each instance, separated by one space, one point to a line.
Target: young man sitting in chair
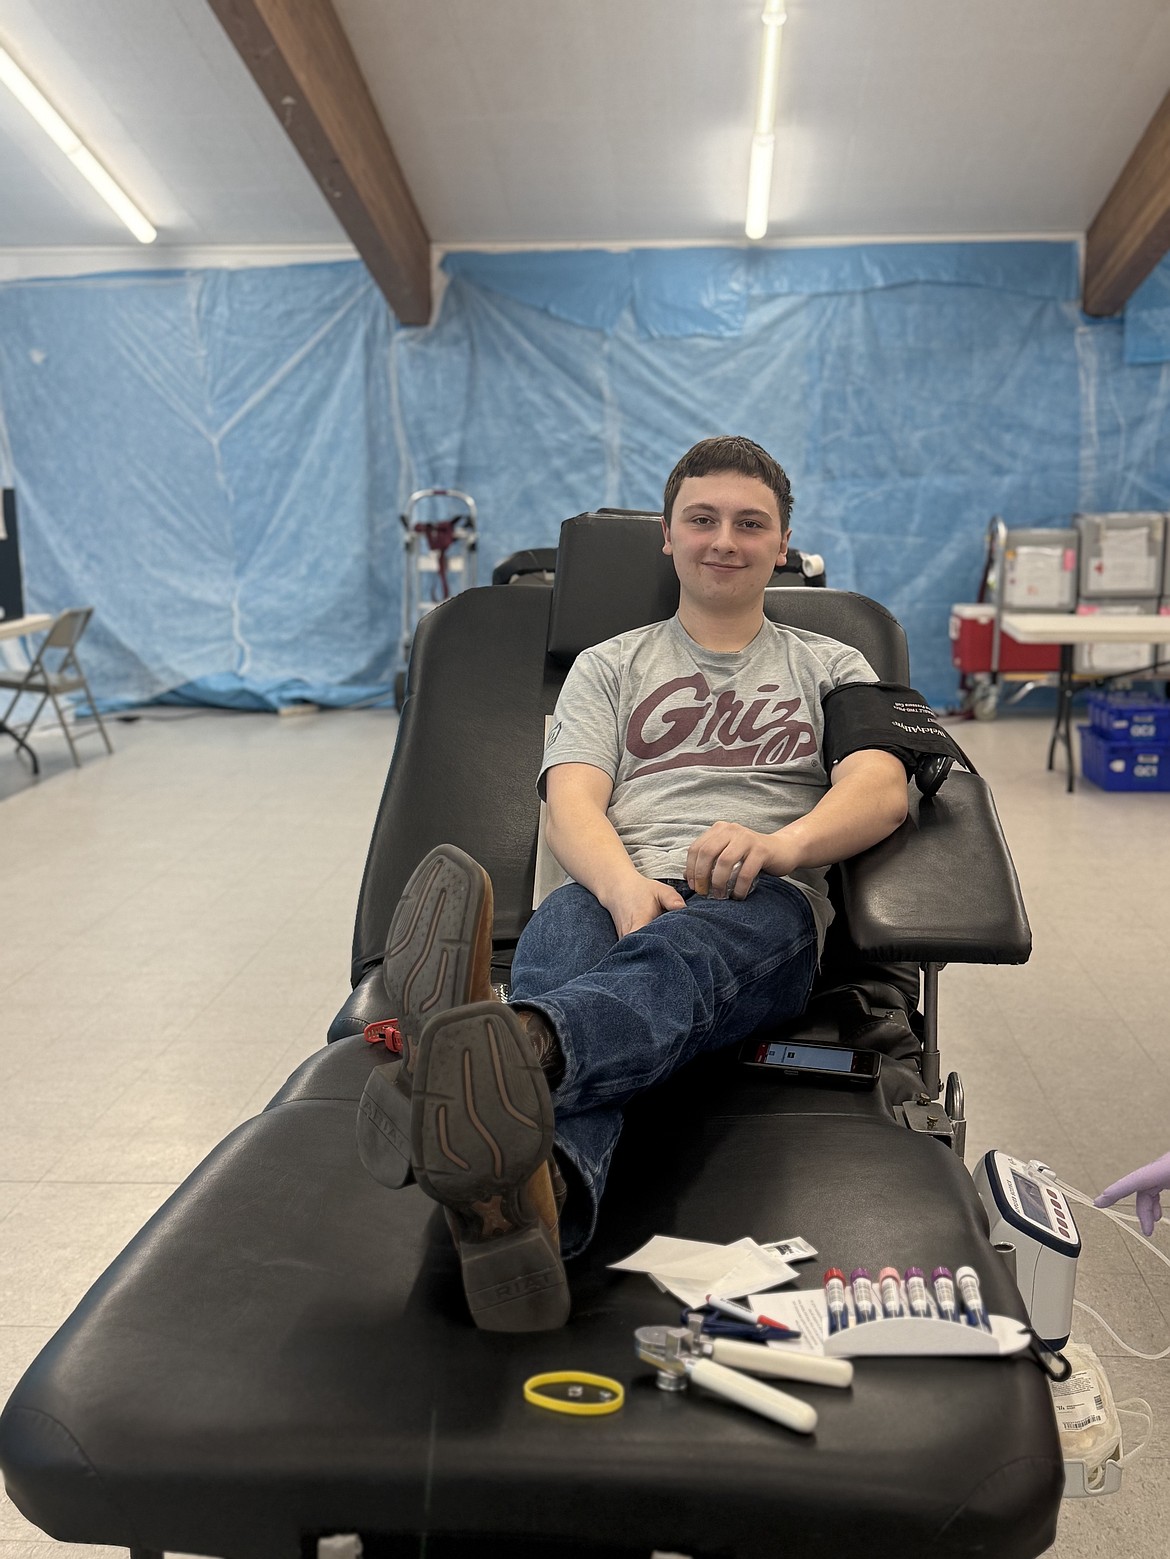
692 813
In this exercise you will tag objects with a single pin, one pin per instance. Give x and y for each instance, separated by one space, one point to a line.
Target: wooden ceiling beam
1131 232
301 59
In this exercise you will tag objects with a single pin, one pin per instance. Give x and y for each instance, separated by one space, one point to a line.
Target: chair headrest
612 575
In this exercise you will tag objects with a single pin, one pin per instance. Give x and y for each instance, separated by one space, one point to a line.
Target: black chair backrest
485 670
523 564
469 745
612 574
851 618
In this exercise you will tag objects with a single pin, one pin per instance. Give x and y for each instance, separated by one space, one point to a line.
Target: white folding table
1069 629
16 628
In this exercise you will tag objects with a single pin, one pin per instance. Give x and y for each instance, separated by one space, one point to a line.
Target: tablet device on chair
859 1067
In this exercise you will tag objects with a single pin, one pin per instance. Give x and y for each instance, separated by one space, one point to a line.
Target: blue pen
747 1331
742 1313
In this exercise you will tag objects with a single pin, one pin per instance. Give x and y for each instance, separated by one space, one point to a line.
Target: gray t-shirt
692 736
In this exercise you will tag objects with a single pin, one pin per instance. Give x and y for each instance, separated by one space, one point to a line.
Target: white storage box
1107 660
1040 570
1121 555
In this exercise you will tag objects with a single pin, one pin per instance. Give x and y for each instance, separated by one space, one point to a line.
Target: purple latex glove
1147 1182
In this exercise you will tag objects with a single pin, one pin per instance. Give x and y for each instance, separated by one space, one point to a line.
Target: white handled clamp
679 1355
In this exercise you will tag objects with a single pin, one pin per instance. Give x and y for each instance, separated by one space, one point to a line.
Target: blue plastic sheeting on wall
689 292
1147 319
588 287
208 458
217 460
1125 433
907 415
1038 270
229 691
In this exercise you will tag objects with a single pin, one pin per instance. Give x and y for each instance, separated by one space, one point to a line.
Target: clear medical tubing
1123 1222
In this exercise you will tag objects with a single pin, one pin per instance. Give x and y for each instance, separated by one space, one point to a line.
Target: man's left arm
865 802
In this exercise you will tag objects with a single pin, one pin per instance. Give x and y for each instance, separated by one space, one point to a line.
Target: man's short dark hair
729 452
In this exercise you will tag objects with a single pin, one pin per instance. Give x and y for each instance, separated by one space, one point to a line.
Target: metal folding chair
54 671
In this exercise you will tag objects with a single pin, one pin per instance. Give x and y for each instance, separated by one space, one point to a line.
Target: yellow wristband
606 1396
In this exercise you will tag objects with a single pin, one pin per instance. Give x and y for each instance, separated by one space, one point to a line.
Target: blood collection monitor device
859 1067
1028 1210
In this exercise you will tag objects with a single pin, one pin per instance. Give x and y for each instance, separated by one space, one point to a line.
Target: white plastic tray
911 1336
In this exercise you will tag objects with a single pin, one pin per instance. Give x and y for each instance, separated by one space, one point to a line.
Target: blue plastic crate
1124 765
1130 717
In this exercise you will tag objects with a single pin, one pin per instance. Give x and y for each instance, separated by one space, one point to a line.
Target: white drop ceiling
597 121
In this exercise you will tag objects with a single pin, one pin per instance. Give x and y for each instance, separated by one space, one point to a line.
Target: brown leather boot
438 955
545 1042
559 1189
481 1141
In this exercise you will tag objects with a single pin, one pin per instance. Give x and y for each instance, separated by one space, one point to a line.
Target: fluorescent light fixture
80 156
764 139
759 185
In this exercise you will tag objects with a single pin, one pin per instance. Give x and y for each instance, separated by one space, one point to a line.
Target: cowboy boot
481 1144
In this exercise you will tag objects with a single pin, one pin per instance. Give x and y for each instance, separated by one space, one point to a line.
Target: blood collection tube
967 1283
917 1299
944 1293
864 1300
835 1300
890 1289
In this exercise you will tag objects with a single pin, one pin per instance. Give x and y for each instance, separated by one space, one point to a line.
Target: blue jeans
630 1012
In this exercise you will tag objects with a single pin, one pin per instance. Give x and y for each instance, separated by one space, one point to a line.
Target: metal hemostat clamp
679 1356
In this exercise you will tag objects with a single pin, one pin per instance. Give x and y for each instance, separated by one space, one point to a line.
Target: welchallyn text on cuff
894 718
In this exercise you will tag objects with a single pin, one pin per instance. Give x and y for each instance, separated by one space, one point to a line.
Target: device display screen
824 1060
1031 1201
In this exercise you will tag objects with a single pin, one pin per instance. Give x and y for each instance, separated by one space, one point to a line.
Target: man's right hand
636 900
584 841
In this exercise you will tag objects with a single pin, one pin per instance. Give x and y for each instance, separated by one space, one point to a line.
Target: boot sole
438 955
383 1128
482 1126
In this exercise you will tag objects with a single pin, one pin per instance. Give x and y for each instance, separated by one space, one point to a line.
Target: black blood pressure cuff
893 718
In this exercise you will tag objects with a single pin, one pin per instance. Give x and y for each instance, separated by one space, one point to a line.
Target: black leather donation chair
536 565
284 1355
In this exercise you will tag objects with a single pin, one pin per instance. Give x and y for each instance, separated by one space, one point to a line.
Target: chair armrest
942 888
366 1003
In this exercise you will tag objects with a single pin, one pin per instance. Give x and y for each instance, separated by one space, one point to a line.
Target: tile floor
185 909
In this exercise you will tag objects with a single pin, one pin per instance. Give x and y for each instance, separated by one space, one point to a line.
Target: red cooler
972 632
